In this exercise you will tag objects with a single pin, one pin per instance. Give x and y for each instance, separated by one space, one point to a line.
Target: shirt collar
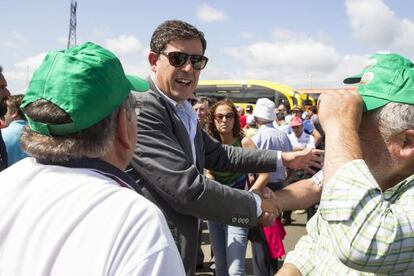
99 166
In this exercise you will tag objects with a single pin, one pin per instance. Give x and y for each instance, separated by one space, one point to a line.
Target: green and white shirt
358 229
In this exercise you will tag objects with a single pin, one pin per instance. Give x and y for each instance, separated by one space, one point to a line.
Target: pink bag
274 235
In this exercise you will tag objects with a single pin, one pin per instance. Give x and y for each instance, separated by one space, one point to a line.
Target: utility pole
72 24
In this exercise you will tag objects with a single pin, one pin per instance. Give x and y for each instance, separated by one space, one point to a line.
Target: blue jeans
229 245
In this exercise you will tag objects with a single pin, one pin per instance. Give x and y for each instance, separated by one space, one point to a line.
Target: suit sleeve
161 163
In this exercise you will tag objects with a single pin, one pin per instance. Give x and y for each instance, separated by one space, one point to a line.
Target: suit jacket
163 167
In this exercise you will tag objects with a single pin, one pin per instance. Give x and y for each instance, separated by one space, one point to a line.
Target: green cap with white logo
86 81
387 78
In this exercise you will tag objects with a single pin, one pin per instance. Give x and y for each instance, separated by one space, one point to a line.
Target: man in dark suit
173 150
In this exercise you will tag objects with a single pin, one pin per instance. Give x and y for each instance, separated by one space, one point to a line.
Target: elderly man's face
375 148
201 109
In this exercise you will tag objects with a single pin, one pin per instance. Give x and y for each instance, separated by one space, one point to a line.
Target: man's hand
270 208
266 219
340 108
303 159
340 114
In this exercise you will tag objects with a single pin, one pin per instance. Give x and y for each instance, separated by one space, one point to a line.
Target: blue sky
300 43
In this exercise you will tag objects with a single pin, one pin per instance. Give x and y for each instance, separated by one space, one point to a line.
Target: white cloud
207 13
374 23
124 44
19 77
131 53
291 58
31 62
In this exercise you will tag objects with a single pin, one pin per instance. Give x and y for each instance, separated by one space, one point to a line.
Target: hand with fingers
270 208
303 159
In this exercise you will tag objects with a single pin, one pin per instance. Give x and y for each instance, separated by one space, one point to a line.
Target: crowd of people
96 162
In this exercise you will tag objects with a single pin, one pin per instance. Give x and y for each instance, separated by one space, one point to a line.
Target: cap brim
353 79
371 103
137 84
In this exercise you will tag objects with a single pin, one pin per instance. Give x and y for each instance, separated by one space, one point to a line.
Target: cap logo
367 78
372 62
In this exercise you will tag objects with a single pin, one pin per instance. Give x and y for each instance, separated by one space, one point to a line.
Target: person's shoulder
247 142
146 96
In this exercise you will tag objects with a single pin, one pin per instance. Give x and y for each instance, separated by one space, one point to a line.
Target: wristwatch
318 178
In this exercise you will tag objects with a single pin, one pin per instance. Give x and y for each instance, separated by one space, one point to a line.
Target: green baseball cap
86 81
387 78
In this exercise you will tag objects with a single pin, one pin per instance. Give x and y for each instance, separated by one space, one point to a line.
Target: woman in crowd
229 243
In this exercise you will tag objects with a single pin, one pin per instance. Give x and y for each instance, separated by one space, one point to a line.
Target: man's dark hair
172 30
1 69
314 109
203 100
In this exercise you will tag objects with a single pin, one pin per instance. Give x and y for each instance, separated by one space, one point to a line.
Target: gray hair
394 118
92 142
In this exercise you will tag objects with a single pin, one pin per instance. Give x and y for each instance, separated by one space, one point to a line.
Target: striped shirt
359 228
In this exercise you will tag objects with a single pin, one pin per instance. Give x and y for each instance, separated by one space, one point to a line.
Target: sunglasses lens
177 59
198 62
219 117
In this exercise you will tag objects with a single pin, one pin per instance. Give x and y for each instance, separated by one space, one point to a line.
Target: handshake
298 195
270 209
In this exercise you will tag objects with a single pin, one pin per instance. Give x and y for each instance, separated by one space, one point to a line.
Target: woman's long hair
211 127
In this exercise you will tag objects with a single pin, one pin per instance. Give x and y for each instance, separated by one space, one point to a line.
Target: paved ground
294 232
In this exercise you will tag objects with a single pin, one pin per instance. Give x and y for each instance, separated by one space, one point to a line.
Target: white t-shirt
73 221
304 141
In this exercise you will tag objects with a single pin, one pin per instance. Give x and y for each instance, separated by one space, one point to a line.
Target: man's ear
407 148
121 134
152 59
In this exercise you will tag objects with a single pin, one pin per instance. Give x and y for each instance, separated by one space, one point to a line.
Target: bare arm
340 117
298 195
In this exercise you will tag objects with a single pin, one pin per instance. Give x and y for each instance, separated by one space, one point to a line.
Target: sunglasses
178 59
219 116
